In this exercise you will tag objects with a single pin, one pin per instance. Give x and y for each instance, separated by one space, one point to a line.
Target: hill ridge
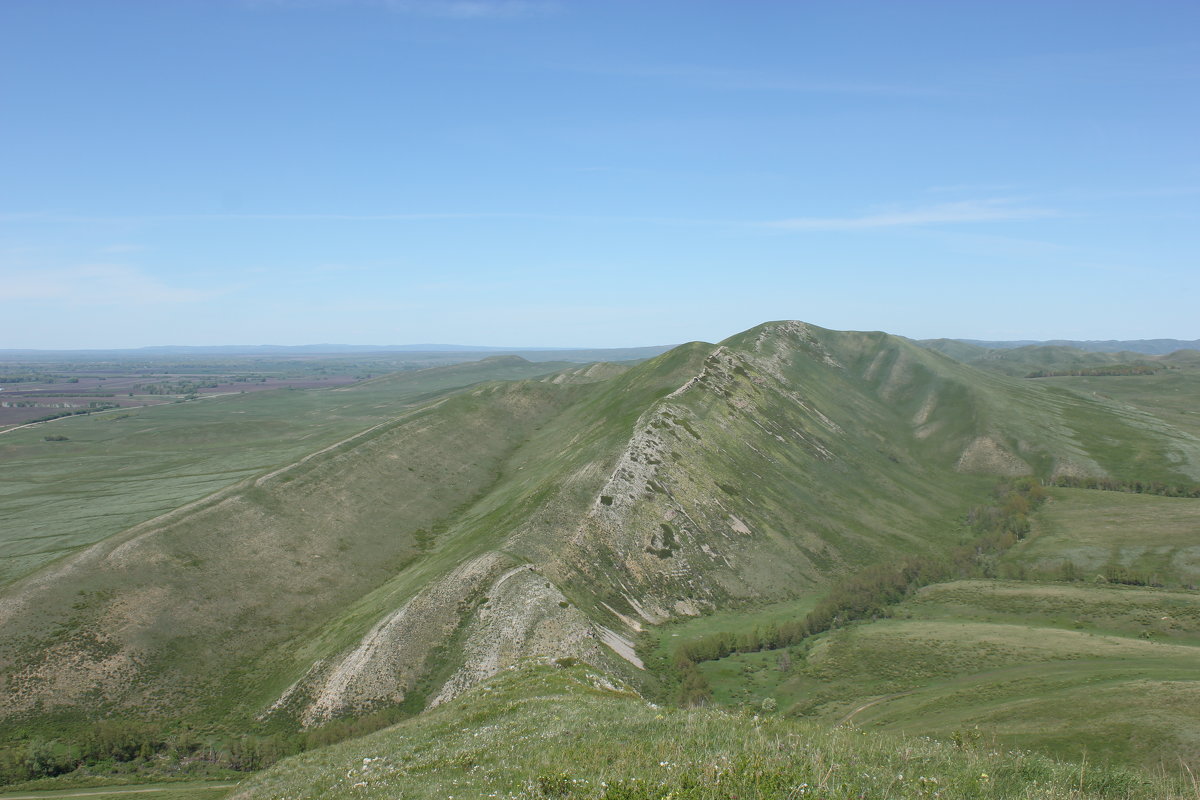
553 517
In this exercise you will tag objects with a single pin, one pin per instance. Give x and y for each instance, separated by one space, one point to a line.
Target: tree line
96 406
158 750
1136 487
1089 372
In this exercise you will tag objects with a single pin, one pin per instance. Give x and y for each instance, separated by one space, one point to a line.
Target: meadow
1120 537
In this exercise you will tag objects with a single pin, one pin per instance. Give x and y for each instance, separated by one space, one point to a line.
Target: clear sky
501 172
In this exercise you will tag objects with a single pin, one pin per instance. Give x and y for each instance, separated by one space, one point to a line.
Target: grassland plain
118 470
545 732
552 518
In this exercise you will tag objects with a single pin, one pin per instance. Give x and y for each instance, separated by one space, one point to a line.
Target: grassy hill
544 732
438 527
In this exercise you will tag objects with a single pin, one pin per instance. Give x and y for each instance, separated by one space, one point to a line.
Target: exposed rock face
986 456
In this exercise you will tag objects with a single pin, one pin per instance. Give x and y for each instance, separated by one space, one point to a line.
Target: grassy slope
568 733
1069 668
1169 396
1069 678
785 456
203 601
120 469
1020 361
1157 538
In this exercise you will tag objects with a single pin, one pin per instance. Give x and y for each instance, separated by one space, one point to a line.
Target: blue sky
612 173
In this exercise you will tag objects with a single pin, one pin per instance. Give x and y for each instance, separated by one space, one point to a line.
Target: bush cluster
122 747
1090 372
1134 487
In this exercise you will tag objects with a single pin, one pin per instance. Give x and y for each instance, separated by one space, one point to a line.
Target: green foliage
1123 536
75 412
1135 486
1110 370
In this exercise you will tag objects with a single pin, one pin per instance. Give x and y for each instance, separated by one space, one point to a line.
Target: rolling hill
458 522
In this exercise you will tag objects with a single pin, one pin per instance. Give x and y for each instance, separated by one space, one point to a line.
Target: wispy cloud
941 214
95 284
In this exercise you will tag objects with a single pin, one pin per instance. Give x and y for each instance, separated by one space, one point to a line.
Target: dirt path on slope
101 792
846 719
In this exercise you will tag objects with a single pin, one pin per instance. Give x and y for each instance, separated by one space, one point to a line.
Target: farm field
36 385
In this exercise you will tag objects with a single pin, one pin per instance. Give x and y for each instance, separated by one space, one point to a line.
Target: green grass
190 790
1110 609
542 732
1067 669
749 616
1169 396
1153 537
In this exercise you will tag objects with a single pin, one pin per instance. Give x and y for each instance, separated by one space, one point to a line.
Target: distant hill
414 355
457 351
1078 358
1156 347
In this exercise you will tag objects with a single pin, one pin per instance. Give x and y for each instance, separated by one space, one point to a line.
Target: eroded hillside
550 518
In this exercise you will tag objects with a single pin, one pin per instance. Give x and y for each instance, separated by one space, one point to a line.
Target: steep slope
545 518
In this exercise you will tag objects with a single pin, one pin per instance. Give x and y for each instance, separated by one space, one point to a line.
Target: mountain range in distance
1158 347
